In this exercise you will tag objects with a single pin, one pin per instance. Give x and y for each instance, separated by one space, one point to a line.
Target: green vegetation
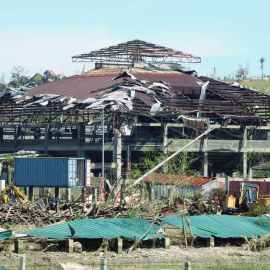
181 164
260 85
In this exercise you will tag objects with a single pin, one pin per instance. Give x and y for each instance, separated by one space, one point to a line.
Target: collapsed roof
164 95
165 92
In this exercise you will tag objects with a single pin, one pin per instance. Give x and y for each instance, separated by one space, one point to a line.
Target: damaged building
140 97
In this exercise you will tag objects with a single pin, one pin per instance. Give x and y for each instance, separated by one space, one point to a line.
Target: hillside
261 85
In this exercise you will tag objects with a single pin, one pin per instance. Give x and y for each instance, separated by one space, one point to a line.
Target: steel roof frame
136 50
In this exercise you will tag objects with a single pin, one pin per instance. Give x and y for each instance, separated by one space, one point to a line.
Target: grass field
261 85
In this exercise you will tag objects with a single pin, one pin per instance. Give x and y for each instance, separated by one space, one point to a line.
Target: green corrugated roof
132 228
224 226
4 235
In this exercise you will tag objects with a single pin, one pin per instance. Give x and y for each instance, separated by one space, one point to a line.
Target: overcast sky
42 35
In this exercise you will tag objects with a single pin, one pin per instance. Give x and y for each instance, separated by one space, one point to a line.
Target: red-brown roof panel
82 86
176 179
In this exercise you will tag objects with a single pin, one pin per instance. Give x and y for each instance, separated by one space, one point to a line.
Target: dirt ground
140 258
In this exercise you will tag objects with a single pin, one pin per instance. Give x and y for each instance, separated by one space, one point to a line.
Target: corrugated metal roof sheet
223 226
78 87
86 85
5 235
132 228
177 179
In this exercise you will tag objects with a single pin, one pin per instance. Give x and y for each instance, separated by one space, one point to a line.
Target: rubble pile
39 213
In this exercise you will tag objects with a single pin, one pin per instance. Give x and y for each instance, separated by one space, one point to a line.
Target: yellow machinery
248 203
4 197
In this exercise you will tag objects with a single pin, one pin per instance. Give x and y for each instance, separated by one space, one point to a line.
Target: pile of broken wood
39 213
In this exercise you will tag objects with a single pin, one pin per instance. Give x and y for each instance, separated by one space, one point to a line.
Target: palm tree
262 60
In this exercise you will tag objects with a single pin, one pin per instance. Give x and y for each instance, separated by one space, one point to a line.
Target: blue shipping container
49 172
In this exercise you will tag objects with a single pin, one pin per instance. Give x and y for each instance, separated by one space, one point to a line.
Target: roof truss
136 50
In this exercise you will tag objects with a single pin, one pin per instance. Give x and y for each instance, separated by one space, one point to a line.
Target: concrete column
15 137
205 157
31 193
245 165
68 194
165 143
166 243
188 265
117 155
9 176
119 245
94 196
1 134
2 185
151 192
57 194
83 194
227 185
41 192
22 263
18 243
205 164
81 133
210 242
250 173
103 263
48 136
69 245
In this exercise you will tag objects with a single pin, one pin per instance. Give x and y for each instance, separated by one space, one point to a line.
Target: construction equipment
5 196
249 202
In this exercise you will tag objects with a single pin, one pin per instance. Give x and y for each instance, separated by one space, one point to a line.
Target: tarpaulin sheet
223 226
5 235
133 228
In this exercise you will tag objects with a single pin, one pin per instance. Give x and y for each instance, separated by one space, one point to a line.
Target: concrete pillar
18 243
210 242
103 263
57 194
205 157
94 196
31 193
68 194
22 263
205 164
41 192
151 192
245 165
15 136
166 243
227 185
2 185
48 133
188 265
117 155
9 176
119 245
48 136
165 143
250 173
1 134
69 245
83 194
